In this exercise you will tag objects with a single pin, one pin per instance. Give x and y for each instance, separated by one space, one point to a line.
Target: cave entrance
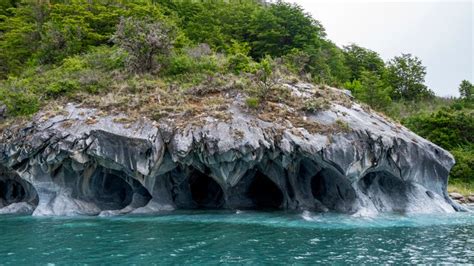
205 191
383 182
386 191
264 193
110 191
11 191
333 190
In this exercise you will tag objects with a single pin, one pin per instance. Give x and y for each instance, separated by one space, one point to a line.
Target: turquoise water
242 238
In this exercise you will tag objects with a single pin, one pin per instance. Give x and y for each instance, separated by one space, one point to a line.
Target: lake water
242 238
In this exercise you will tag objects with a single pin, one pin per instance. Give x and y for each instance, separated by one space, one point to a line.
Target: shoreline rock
458 197
470 198
83 163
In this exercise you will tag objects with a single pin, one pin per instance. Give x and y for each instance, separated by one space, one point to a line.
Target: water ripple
243 238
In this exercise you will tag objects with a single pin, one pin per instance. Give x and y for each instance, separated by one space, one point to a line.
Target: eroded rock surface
80 162
17 196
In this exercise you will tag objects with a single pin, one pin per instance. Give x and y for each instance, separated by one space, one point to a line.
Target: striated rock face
80 162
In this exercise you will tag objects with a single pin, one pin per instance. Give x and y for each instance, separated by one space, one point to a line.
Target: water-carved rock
17 196
358 162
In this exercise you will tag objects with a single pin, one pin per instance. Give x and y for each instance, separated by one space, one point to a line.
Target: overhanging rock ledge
80 162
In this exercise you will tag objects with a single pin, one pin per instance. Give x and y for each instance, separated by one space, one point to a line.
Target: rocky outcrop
81 162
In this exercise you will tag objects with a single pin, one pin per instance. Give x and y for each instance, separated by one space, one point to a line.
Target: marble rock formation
80 162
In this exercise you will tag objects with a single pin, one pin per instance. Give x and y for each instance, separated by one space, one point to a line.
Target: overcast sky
440 33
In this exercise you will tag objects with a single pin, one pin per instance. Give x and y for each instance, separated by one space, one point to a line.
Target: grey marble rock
68 165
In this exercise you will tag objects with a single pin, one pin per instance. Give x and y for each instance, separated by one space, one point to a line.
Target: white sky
440 33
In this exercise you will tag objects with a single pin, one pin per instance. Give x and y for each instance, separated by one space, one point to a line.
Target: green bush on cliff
185 63
252 102
19 100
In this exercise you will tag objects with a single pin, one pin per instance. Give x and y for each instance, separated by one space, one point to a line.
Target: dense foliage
74 49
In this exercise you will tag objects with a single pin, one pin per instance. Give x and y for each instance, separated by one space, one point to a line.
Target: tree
216 23
144 41
406 74
17 33
371 90
326 63
359 59
297 61
339 72
277 29
59 29
466 89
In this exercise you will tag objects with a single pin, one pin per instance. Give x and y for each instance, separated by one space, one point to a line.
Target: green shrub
105 58
252 102
464 167
403 109
464 187
73 64
314 105
182 63
61 87
179 64
265 77
343 125
91 72
60 40
239 63
19 101
208 64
